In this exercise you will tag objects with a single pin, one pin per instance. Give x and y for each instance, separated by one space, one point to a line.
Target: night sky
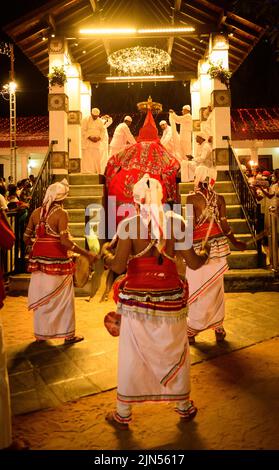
254 84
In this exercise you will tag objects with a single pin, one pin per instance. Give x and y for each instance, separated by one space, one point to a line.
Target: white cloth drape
52 299
153 361
206 295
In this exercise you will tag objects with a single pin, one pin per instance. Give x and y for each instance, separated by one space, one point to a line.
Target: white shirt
167 139
122 136
204 154
92 128
3 202
186 124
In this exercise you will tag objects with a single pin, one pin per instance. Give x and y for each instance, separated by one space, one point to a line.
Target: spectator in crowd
3 200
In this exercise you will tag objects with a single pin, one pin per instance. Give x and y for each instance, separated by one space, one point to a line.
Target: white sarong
153 361
206 296
91 160
52 299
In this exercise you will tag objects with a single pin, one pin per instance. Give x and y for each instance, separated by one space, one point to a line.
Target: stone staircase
84 190
244 273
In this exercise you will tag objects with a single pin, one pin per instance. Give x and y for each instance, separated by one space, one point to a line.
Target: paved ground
44 375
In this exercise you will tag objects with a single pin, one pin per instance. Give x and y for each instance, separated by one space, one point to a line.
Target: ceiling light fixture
139 61
123 31
107 31
186 29
140 77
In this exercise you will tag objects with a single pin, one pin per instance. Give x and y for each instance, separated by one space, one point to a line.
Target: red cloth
7 239
112 323
6 233
49 256
127 167
145 274
200 232
149 130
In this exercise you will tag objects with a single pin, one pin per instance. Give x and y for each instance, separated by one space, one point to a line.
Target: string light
5 49
139 61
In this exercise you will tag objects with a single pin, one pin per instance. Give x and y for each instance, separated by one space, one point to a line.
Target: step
239 226
19 284
86 190
243 237
252 280
223 175
78 215
80 241
77 229
219 187
235 280
79 179
230 198
82 202
247 259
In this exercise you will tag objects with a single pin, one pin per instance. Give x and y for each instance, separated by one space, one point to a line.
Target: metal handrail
13 261
43 180
248 201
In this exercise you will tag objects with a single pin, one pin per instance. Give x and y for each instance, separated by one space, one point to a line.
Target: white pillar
195 109
58 107
85 99
74 116
220 101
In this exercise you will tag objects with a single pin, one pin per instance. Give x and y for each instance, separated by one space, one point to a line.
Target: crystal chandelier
139 61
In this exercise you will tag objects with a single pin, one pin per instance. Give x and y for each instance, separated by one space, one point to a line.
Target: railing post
259 227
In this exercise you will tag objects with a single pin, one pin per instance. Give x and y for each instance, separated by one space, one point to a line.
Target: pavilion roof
66 17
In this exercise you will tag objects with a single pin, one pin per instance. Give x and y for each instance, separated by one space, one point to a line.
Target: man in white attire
107 120
186 125
204 151
93 134
122 137
167 138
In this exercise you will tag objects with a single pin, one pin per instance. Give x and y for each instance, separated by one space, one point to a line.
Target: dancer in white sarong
153 360
51 292
206 286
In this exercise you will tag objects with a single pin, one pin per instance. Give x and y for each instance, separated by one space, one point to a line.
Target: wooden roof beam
196 11
176 8
105 41
222 19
